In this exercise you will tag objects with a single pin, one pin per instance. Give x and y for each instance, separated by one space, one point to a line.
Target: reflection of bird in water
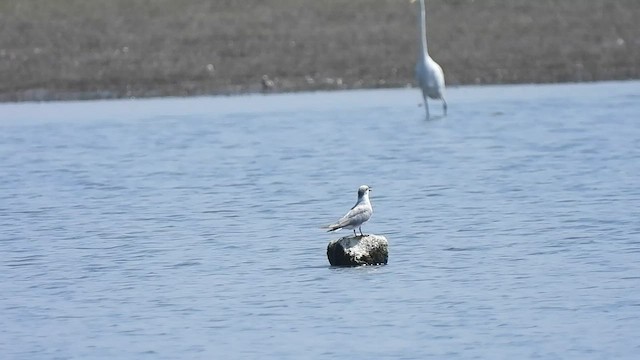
358 215
428 73
267 84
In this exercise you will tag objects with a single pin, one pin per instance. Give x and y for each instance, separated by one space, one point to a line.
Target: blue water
189 228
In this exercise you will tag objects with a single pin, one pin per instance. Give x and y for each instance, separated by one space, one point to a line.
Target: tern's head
363 190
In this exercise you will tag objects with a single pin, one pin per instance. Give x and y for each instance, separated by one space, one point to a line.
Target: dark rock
358 250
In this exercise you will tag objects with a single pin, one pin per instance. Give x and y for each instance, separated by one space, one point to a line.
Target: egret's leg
354 233
426 106
444 106
360 228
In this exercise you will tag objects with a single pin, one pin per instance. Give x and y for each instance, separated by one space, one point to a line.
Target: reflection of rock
358 250
267 84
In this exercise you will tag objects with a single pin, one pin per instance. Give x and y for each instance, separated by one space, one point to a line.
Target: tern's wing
357 215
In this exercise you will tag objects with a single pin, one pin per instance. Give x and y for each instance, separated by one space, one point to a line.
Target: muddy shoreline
77 49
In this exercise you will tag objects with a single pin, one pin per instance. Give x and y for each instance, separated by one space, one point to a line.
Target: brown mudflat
86 49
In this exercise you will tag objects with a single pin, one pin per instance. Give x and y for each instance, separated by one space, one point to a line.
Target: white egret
428 73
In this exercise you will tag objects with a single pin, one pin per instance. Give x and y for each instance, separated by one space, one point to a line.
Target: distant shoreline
101 97
136 48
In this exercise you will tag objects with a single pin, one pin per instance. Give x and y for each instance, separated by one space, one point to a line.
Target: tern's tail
331 227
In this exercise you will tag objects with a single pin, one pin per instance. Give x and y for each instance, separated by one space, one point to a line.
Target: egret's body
428 73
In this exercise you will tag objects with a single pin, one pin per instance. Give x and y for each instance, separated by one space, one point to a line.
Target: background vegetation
77 49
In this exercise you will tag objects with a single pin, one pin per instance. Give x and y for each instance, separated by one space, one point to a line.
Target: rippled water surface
189 228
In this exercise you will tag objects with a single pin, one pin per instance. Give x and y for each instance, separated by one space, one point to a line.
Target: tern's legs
359 228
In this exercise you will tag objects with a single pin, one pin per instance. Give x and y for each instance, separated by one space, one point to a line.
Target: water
189 228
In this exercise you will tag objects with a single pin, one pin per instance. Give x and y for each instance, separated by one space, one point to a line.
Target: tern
358 215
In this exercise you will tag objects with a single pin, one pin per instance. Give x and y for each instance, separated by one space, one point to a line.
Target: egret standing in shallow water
428 73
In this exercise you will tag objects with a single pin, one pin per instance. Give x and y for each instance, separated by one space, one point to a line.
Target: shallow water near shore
189 228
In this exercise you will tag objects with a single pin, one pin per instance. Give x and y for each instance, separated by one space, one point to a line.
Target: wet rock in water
358 250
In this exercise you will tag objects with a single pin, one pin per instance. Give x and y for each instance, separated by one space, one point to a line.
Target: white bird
428 73
267 84
359 213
